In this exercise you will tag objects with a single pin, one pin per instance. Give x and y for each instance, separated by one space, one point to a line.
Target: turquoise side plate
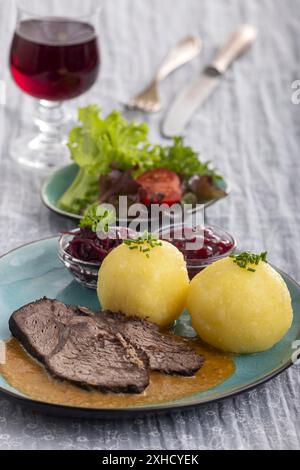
33 271
59 181
56 185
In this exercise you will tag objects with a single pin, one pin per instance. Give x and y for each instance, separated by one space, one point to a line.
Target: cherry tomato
161 186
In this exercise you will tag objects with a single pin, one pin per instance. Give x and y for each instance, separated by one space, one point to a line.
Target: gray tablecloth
250 129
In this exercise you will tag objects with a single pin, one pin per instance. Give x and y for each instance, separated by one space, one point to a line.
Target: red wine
54 59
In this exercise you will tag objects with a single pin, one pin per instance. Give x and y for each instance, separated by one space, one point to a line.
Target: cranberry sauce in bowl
200 246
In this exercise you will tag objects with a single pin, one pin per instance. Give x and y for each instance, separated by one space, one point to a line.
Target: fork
148 100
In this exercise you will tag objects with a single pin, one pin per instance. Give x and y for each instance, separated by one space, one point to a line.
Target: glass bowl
197 260
84 272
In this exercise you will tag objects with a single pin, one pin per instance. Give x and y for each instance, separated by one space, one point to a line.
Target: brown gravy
29 377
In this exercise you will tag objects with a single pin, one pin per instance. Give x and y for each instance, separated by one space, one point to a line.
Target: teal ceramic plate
57 184
33 271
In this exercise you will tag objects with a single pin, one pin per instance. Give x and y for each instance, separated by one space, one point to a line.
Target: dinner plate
33 271
59 181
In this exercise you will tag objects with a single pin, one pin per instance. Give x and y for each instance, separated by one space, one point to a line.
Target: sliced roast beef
106 350
74 347
167 353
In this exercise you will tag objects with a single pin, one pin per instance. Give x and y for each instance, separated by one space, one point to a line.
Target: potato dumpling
237 310
151 285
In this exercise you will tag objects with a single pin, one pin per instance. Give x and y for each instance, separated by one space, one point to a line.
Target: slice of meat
166 353
93 357
38 325
75 347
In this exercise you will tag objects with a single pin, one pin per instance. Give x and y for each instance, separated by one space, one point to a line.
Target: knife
193 96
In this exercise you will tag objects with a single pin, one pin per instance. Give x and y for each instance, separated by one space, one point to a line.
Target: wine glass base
34 151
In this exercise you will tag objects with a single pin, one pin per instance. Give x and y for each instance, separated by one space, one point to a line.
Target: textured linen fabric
250 130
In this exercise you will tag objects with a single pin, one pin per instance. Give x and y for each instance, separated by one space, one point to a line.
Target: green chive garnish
148 239
244 259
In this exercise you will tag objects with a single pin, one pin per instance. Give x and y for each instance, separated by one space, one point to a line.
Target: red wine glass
54 57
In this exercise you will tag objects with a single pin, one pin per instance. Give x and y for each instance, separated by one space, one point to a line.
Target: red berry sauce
211 243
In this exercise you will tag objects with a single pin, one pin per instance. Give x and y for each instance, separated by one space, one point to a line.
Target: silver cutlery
148 100
194 94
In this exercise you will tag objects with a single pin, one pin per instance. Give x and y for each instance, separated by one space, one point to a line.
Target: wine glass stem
51 121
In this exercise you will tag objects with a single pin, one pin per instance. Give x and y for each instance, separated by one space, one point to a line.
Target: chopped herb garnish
246 258
144 243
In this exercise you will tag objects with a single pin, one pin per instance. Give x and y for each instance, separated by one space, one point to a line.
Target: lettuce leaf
98 143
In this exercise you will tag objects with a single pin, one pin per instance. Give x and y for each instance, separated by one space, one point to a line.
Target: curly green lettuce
99 144
184 161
